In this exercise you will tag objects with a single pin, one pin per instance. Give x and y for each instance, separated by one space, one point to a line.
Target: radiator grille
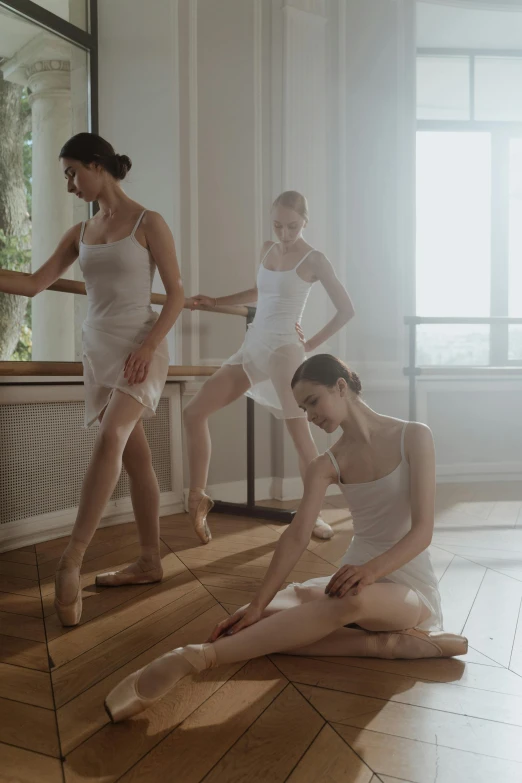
44 453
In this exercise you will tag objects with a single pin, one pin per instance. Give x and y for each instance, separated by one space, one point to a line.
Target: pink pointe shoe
414 643
198 516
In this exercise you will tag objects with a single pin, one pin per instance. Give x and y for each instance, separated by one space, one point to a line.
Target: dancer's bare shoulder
418 439
321 471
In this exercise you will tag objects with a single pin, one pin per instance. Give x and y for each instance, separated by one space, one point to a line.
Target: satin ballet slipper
125 700
414 643
68 613
198 516
322 529
117 578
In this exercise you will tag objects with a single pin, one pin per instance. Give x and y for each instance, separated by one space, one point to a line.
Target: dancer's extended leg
145 496
222 388
121 415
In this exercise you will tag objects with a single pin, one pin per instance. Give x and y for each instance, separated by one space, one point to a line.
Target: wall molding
46 527
195 349
464 472
257 52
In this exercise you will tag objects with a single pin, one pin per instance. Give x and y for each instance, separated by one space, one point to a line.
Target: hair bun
123 166
354 382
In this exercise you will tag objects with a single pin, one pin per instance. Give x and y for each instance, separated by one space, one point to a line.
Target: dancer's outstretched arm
241 298
325 273
290 547
63 257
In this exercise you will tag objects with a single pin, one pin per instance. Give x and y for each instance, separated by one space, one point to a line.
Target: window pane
43 101
443 88
515 343
498 88
515 247
453 244
458 345
453 223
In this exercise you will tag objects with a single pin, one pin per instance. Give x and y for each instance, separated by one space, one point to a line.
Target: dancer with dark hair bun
273 349
125 354
385 586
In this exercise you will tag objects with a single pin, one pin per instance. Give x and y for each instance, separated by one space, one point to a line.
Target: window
48 92
469 205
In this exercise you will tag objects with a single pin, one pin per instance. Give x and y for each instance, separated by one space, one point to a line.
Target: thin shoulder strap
82 230
303 259
268 251
137 223
402 439
334 463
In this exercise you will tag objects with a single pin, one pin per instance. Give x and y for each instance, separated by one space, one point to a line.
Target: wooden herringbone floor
274 719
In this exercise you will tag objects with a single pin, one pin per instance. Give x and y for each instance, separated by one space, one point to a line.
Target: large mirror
44 99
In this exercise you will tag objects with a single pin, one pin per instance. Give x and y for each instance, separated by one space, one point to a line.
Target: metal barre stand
249 508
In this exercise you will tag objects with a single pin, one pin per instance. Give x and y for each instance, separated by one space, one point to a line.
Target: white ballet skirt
118 280
381 515
272 351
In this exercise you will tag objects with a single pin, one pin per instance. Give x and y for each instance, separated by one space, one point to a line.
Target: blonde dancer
273 349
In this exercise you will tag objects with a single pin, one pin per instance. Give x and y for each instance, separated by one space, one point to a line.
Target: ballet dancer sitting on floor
385 586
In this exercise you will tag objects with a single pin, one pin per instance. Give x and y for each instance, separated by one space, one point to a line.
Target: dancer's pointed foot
138 573
322 529
68 591
143 688
414 643
199 505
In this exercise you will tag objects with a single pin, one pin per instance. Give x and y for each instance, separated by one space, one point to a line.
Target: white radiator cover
45 451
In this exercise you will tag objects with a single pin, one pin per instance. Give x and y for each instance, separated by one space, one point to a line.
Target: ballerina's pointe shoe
69 613
199 506
322 529
125 700
133 575
414 643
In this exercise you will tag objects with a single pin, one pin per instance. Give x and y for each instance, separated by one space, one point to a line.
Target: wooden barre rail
10 369
65 286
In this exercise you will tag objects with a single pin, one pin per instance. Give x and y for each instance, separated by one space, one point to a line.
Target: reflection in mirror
43 101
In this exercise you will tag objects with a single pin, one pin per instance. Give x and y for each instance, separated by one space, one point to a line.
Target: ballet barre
64 285
413 371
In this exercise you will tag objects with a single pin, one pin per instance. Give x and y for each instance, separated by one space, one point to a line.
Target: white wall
193 91
138 100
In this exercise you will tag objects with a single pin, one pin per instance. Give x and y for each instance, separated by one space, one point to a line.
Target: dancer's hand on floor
137 365
350 579
236 622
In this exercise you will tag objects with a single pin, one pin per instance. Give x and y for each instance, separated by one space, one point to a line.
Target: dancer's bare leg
121 416
299 430
226 385
379 607
145 496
